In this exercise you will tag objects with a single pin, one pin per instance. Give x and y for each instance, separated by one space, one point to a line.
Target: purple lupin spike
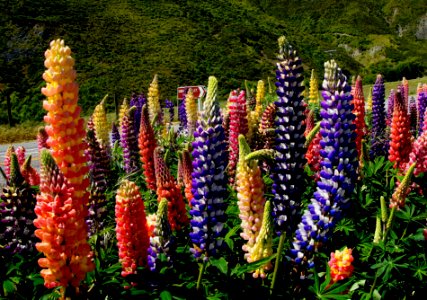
378 132
422 105
338 168
129 143
288 169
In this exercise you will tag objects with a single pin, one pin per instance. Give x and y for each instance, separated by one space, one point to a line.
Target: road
31 149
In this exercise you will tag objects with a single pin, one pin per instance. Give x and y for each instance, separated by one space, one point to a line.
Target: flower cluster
61 228
421 105
359 112
153 100
250 196
131 228
187 169
17 213
341 264
167 188
124 108
238 125
338 167
101 126
182 112
260 94
191 110
390 107
264 243
115 135
266 126
313 95
129 142
288 168
162 240
147 143
400 135
209 179
378 133
138 101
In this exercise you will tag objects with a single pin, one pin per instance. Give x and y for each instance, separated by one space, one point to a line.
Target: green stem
373 285
202 267
278 257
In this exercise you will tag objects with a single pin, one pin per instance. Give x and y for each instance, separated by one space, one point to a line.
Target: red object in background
198 91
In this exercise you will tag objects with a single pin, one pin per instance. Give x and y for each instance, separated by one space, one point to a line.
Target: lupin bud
401 192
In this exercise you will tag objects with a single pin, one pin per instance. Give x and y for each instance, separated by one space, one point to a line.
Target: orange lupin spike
147 143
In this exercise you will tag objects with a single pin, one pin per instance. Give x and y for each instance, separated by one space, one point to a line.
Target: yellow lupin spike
102 128
264 243
369 104
313 97
250 195
153 99
122 112
191 111
260 94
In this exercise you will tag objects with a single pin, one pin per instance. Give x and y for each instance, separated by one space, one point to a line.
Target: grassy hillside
120 45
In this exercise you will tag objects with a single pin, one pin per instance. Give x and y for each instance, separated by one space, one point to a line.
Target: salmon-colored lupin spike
341 264
147 143
250 195
30 174
7 159
61 229
169 189
187 168
130 213
400 135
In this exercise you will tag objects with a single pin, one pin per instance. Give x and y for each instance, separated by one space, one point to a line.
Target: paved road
31 149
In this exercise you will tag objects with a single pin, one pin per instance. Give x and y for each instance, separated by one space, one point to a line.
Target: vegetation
121 45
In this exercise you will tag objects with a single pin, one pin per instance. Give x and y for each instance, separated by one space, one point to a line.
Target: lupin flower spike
264 243
115 134
153 102
413 116
101 126
250 195
138 101
369 101
209 179
238 125
313 96
124 108
260 94
338 167
400 135
30 174
61 229
20 154
99 163
171 108
191 110
341 264
7 159
42 139
288 169
17 203
266 126
147 143
390 107
162 241
131 228
405 91
359 112
169 189
182 113
401 192
65 127
129 142
421 105
378 131
187 168
418 154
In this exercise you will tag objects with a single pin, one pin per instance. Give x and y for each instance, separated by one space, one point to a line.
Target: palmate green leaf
239 270
221 264
8 287
165 295
227 238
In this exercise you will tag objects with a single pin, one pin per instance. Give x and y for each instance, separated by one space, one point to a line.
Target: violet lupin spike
115 135
288 169
378 132
422 105
338 168
390 107
129 142
182 113
209 184
138 101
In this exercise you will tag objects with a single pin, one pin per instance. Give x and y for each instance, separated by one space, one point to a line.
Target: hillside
120 45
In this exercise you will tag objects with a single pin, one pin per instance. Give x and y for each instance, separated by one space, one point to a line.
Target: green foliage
119 46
